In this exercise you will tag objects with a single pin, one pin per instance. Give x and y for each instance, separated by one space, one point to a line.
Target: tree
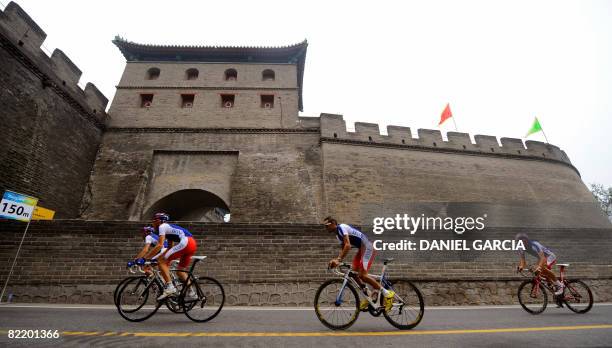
604 198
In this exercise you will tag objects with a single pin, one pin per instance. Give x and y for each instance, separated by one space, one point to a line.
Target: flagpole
545 136
456 130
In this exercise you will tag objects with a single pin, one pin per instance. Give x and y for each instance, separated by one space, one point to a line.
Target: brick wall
365 180
78 261
207 111
51 128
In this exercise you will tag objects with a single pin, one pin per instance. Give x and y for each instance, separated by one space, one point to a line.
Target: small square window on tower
187 100
227 100
267 101
146 100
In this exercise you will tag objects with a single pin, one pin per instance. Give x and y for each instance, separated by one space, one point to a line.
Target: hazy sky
498 63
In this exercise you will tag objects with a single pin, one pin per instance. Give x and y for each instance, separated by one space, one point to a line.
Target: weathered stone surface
262 163
51 128
75 261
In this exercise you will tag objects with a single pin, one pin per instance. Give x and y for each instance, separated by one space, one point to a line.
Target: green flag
535 128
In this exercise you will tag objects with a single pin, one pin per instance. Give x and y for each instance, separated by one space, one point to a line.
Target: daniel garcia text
450 245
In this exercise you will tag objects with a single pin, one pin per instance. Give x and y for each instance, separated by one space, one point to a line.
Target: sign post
20 207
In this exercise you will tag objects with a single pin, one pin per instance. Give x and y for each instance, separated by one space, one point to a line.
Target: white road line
255 308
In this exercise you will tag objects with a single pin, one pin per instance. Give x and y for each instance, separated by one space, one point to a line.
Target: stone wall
51 128
74 261
277 175
367 174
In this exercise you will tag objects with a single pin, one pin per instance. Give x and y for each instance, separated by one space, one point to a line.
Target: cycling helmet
148 229
163 217
521 236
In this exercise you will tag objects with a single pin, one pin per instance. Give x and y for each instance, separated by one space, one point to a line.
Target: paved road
499 326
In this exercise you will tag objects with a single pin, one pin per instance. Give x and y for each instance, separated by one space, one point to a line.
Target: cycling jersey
173 233
185 246
533 248
356 237
364 257
153 239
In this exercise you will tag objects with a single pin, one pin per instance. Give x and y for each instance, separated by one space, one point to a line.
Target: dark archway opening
191 205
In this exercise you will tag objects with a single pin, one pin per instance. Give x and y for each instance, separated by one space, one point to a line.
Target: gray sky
498 63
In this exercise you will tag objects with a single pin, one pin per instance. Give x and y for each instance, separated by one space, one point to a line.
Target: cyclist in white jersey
546 259
348 237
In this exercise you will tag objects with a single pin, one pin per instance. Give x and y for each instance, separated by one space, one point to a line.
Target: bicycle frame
156 277
539 279
350 275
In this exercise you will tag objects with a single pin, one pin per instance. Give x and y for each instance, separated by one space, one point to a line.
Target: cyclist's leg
165 271
174 253
185 257
356 266
366 258
547 271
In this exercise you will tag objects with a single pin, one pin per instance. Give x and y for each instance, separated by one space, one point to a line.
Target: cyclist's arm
346 247
144 250
157 248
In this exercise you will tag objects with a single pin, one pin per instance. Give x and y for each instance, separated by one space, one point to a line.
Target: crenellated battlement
333 128
20 31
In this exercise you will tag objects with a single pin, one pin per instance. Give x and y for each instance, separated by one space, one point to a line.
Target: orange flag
446 114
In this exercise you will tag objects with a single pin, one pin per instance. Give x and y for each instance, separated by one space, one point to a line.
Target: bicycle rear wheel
408 305
532 298
209 301
337 307
137 299
578 297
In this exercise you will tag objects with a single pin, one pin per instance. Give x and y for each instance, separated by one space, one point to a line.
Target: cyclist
546 259
348 237
184 249
150 239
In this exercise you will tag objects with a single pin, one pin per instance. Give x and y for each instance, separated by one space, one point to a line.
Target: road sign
41 213
17 206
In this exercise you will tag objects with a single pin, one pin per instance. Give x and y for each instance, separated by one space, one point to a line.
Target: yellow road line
330 333
81 333
337 333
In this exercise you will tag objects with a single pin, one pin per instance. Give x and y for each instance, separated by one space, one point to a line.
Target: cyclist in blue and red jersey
348 237
546 259
181 245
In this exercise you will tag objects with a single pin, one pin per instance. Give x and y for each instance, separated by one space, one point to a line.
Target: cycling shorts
183 250
364 257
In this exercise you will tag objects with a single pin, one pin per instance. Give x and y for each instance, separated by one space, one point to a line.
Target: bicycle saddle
198 257
388 260
563 264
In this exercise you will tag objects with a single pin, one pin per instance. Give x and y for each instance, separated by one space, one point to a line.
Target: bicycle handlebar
341 269
527 272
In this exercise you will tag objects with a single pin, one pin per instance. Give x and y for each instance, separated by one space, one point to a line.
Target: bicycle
337 301
170 304
533 297
137 298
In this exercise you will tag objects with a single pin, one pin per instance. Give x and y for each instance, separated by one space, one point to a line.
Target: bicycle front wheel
336 304
408 305
532 297
137 299
208 302
578 297
120 285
